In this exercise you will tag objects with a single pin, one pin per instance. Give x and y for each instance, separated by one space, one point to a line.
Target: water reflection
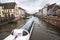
51 28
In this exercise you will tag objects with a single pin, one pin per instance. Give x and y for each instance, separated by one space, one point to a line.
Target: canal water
6 29
44 31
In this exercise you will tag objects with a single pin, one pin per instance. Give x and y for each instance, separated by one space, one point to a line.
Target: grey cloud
32 5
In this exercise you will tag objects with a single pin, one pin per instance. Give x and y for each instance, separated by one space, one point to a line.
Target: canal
41 31
44 31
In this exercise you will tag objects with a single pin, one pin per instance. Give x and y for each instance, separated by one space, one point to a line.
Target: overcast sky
32 6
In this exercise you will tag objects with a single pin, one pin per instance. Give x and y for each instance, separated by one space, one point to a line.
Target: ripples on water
50 28
12 25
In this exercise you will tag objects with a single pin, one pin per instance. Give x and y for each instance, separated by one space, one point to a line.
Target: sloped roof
10 5
1 4
55 6
21 8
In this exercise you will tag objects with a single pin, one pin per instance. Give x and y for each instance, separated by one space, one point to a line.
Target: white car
23 33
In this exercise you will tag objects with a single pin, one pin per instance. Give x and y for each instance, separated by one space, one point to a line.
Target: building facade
10 9
1 12
45 10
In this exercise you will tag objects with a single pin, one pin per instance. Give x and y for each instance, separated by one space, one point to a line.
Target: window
24 33
10 10
12 32
30 27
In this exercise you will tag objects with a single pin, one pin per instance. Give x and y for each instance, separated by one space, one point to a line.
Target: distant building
22 12
12 8
52 9
45 10
58 12
1 10
37 13
41 12
8 8
1 14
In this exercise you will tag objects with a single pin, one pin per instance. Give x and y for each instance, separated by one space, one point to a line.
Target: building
58 12
41 12
12 8
22 13
1 11
52 9
1 14
45 10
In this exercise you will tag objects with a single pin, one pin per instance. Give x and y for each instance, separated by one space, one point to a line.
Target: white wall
45 12
1 11
22 13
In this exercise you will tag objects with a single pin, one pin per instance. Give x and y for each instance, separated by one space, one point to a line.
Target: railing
5 20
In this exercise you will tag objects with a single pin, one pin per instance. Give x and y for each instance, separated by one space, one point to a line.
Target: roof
1 4
55 6
21 8
10 5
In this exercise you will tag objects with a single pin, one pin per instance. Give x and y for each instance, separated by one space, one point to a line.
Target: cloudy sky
32 6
